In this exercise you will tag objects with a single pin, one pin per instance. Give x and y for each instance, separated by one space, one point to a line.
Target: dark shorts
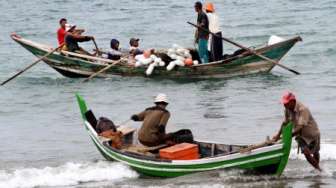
314 146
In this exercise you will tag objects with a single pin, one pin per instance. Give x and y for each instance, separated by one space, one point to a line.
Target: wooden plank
108 61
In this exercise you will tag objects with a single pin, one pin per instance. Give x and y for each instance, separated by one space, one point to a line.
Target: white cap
161 97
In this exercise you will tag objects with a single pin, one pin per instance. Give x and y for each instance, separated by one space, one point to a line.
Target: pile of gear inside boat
152 140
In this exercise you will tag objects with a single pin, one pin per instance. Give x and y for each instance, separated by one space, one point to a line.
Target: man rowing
71 39
305 130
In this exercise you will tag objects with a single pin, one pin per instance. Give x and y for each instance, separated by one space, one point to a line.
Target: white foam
327 152
66 175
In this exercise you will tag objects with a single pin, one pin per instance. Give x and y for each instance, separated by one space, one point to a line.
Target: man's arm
276 137
163 122
138 117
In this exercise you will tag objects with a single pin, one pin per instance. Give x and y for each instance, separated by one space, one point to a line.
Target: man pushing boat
306 131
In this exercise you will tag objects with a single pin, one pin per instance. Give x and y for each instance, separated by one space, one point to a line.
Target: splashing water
66 175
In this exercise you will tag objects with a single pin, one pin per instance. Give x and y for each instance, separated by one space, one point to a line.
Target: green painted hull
242 64
270 159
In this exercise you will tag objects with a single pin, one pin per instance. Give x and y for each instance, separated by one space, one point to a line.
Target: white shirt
213 22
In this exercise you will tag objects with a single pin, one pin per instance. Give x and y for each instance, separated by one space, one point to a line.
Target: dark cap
133 40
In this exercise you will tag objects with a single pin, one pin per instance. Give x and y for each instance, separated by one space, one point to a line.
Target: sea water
43 142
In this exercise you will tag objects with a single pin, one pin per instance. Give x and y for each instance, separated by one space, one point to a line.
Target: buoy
187 54
173 56
188 62
180 58
162 63
195 62
150 69
171 65
171 51
153 57
139 57
146 61
179 63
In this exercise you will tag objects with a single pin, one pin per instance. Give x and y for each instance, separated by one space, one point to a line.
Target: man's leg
313 160
203 50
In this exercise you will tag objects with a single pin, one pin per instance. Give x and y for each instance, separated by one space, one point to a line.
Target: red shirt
60 35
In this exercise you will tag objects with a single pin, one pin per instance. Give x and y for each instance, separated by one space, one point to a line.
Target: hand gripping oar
100 71
31 65
247 49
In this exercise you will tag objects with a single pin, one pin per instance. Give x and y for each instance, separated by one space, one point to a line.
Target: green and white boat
78 65
270 159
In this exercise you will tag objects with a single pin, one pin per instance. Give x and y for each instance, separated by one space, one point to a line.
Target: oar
31 65
248 49
97 49
100 71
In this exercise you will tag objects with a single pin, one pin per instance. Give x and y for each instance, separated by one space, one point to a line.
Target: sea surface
44 144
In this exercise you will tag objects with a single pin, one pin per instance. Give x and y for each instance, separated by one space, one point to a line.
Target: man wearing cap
134 47
153 129
201 36
306 131
215 44
61 31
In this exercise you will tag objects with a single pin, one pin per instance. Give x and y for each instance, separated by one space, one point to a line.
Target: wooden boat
77 65
270 159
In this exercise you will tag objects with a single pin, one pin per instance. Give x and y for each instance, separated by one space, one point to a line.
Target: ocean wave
327 152
69 174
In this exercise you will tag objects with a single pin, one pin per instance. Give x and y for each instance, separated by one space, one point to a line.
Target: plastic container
183 151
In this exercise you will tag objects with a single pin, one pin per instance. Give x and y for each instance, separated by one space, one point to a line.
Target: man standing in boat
153 129
215 43
306 131
201 36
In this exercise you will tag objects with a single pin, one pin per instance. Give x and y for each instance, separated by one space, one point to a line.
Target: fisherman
61 31
215 45
134 47
153 129
72 37
201 36
305 130
114 53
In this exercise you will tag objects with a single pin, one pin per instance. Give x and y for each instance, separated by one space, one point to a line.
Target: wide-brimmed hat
161 97
287 96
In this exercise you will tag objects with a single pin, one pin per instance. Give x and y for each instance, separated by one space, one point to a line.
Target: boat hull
269 160
241 64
